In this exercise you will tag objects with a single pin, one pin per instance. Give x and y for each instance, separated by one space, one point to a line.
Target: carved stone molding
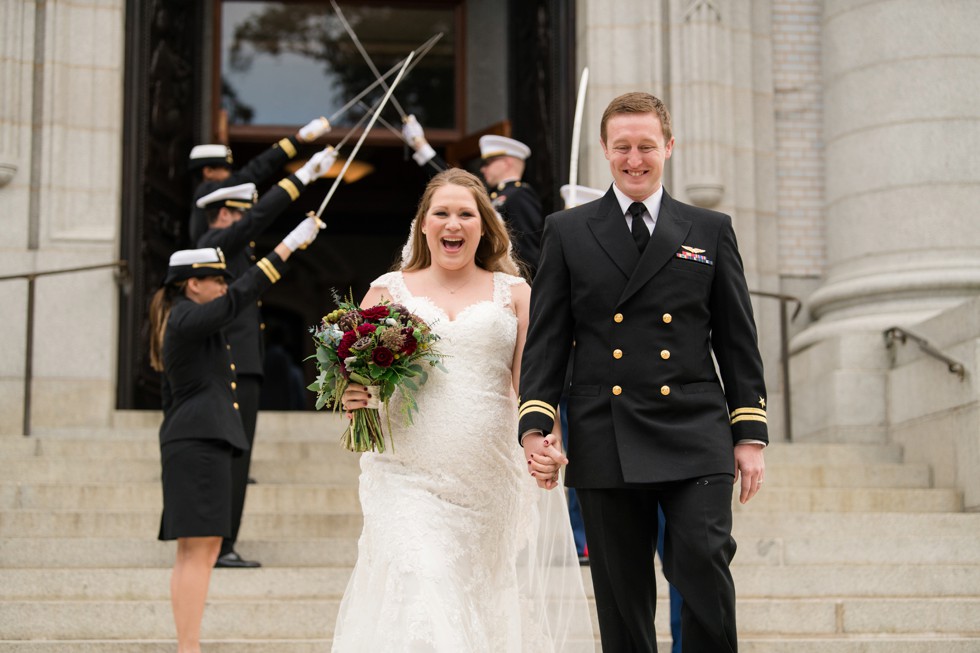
7 172
701 38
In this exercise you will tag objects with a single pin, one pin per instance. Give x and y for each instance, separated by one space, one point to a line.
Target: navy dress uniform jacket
237 242
257 171
199 400
645 403
520 207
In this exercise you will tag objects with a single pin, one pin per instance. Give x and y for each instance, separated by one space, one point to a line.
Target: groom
643 289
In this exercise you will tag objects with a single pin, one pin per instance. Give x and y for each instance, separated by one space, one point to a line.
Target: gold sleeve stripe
290 188
749 418
748 411
540 404
288 147
536 409
269 269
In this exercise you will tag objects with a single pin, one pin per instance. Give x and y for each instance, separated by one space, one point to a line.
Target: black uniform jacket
645 404
199 400
520 207
237 241
258 171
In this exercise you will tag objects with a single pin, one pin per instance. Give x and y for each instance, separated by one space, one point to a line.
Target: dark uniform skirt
196 489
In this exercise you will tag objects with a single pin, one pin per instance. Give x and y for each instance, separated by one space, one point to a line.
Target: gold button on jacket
617 390
617 318
667 318
617 353
665 390
664 354
235 405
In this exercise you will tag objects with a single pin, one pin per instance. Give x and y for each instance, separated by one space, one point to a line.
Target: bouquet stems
364 432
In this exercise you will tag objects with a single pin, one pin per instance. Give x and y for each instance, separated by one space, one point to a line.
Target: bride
460 551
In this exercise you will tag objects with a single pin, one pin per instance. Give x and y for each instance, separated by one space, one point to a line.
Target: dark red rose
383 357
410 344
366 329
374 313
348 339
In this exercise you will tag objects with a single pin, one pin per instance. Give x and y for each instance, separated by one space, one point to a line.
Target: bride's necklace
453 291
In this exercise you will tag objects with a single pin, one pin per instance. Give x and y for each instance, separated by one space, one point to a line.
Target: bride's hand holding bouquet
362 356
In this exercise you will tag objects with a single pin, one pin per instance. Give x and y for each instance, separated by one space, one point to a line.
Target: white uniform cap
491 146
583 194
209 155
204 262
240 197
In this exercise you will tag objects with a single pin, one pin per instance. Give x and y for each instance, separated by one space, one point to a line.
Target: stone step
263 497
840 548
314 618
286 526
844 500
880 644
340 497
62 470
289 583
30 523
853 475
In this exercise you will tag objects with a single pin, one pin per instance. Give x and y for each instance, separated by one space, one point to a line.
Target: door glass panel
283 63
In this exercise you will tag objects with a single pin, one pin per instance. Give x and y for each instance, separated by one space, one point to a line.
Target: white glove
412 131
317 166
313 129
304 234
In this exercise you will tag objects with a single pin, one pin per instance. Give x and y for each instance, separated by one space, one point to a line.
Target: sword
367 130
394 130
419 52
366 57
576 133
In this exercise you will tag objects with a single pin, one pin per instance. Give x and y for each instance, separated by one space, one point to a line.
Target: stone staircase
848 549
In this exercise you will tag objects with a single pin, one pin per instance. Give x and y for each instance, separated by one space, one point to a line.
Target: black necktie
640 232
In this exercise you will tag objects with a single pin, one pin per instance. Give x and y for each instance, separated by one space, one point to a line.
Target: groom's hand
544 458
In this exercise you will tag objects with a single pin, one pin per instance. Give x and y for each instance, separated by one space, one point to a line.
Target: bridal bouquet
383 347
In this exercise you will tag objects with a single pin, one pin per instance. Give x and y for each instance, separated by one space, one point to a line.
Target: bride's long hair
494 251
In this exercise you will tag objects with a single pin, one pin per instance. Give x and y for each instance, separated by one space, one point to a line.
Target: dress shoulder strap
502 283
394 283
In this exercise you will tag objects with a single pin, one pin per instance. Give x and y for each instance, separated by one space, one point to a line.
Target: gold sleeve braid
287 146
269 269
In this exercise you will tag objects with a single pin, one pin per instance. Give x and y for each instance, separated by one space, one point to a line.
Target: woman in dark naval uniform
201 426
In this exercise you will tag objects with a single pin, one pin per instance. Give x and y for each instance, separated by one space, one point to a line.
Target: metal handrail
784 351
121 278
901 335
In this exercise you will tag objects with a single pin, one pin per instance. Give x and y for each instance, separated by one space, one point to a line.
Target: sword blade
576 134
418 53
366 56
367 130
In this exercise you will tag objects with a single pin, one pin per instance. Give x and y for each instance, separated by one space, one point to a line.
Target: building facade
839 134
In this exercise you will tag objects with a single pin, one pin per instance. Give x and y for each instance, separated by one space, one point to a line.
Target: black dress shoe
232 560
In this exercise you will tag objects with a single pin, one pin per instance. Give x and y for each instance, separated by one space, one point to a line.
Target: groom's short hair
636 103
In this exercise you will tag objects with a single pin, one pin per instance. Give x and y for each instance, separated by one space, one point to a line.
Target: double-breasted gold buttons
665 390
617 318
668 318
617 353
235 405
616 390
232 367
234 386
664 354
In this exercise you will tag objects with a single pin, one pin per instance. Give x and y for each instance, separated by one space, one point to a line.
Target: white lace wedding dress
460 550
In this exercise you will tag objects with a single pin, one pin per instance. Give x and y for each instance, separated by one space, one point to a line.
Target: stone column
902 129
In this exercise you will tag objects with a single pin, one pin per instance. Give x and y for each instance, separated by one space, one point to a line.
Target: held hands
750 464
313 130
304 234
544 458
413 134
317 166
